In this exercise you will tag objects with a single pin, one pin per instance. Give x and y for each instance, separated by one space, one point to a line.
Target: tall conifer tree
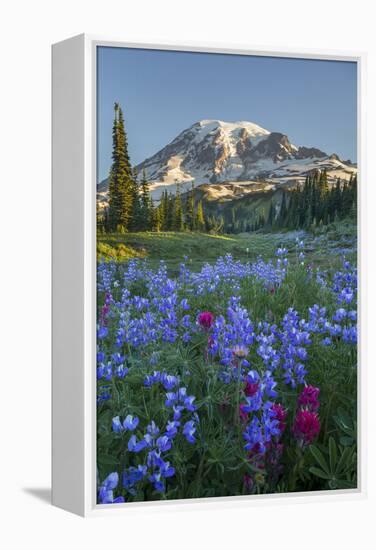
145 201
190 210
178 210
200 219
121 177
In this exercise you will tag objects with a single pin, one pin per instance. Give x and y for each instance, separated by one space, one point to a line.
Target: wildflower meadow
234 377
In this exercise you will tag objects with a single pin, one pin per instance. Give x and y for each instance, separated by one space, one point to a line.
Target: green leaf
332 454
343 460
346 440
319 473
344 417
345 424
344 484
108 460
317 454
333 484
105 440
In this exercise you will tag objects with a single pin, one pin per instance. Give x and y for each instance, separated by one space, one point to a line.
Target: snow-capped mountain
217 152
235 157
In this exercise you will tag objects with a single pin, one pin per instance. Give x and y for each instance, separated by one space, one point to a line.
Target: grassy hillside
324 247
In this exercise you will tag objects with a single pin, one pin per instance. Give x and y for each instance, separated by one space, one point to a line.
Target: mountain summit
214 151
240 154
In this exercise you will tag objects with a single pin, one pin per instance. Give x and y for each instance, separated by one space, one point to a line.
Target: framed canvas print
206 228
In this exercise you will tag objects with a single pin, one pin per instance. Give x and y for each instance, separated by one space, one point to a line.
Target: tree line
315 203
176 214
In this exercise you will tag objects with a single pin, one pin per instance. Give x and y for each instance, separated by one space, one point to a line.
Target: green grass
325 246
118 251
198 247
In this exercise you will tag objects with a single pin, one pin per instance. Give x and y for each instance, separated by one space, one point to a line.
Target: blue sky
164 92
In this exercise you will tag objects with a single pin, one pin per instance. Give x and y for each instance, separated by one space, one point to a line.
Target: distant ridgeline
131 208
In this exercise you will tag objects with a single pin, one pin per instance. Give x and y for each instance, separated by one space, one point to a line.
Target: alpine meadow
226 276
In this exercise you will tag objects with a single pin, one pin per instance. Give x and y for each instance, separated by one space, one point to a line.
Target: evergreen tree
190 210
178 221
282 211
125 177
324 186
155 217
113 188
137 222
100 220
200 219
318 204
271 215
308 218
163 209
170 212
121 177
145 203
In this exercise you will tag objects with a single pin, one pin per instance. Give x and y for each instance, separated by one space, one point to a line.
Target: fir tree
271 215
190 210
163 210
121 178
113 190
145 203
170 212
155 217
178 221
100 220
137 222
282 211
318 204
200 219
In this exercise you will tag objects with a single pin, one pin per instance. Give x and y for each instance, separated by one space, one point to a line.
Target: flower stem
237 400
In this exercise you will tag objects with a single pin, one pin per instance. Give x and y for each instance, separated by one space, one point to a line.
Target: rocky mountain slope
233 159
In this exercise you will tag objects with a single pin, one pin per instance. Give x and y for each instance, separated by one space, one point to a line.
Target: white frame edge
74 279
68 231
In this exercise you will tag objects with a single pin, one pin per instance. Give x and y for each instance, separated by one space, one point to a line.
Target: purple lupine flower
106 490
189 430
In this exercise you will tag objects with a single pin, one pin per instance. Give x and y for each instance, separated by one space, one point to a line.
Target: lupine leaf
319 473
346 441
343 460
319 458
332 454
108 460
344 484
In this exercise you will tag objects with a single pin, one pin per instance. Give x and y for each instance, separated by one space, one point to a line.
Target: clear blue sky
164 92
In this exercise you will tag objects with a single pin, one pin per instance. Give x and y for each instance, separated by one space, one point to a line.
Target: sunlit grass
324 247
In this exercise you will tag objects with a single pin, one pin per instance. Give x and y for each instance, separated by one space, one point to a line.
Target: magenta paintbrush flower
251 388
306 426
205 319
280 414
309 398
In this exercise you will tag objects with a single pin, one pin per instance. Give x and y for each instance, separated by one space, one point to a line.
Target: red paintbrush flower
251 389
205 319
280 415
309 398
306 426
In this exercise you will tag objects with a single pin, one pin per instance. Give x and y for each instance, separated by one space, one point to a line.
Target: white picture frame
74 276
